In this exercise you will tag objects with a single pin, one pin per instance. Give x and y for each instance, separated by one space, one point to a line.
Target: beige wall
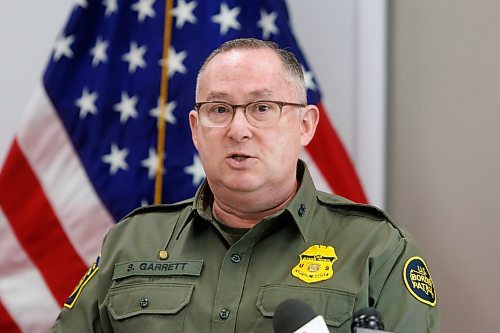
444 148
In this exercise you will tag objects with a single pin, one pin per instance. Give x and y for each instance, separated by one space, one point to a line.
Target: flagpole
160 144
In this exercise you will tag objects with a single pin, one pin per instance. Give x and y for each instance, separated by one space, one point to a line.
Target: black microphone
367 320
293 315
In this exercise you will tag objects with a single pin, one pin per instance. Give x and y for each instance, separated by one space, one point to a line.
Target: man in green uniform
257 232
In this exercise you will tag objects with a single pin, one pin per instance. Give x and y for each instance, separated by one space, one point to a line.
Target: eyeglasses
258 114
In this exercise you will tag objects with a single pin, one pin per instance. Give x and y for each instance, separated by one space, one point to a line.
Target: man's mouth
239 157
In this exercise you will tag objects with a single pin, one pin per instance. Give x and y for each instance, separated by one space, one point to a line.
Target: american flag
86 153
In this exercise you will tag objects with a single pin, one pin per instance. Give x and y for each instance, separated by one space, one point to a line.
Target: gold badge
315 264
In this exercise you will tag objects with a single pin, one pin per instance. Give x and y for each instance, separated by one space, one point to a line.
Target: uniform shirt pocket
336 306
149 306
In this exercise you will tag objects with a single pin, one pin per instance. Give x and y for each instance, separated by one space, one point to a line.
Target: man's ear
308 122
193 123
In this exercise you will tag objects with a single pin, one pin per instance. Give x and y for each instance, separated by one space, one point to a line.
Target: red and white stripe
46 201
332 165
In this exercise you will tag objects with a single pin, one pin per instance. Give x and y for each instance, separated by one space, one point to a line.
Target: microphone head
367 318
292 314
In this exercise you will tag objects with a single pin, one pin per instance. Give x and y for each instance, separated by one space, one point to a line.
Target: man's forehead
248 56
249 74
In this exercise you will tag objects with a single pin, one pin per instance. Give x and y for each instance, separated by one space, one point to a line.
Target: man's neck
237 217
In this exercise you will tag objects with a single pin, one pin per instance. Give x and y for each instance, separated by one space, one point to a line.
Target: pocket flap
148 298
335 306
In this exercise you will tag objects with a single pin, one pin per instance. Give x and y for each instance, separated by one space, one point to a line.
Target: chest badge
315 264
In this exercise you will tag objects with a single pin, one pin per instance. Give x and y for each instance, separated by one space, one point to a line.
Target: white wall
444 149
28 29
345 42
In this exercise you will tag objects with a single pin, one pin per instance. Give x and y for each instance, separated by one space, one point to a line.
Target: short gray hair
292 66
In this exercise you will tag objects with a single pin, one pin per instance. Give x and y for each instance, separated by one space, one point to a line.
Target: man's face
241 157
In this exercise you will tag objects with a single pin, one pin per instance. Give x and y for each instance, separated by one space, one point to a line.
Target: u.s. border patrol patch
70 302
418 281
315 264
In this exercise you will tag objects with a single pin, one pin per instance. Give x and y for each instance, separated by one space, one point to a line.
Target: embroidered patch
315 264
166 268
418 281
70 302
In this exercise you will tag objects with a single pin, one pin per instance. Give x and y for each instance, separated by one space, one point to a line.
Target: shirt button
236 258
144 303
224 314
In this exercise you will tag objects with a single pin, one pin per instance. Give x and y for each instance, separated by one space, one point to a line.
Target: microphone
295 316
367 320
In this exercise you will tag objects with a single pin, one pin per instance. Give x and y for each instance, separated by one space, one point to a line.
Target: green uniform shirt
169 268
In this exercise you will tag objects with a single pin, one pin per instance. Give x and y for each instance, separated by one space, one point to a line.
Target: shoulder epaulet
178 206
350 207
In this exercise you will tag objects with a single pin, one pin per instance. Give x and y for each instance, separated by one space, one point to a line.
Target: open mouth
239 157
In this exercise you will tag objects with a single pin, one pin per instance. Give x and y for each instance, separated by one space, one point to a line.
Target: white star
309 79
184 13
98 52
111 7
126 107
86 103
62 47
268 23
81 3
196 170
175 62
116 159
169 112
151 163
144 8
135 57
227 18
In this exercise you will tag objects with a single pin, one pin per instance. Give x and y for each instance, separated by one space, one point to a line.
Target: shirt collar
303 204
300 208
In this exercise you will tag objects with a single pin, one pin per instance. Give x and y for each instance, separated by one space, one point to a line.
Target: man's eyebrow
262 93
215 95
219 95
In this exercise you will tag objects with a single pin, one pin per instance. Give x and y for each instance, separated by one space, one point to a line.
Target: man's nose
239 128
239 114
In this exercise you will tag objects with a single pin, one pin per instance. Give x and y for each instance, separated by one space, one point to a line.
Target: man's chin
242 184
